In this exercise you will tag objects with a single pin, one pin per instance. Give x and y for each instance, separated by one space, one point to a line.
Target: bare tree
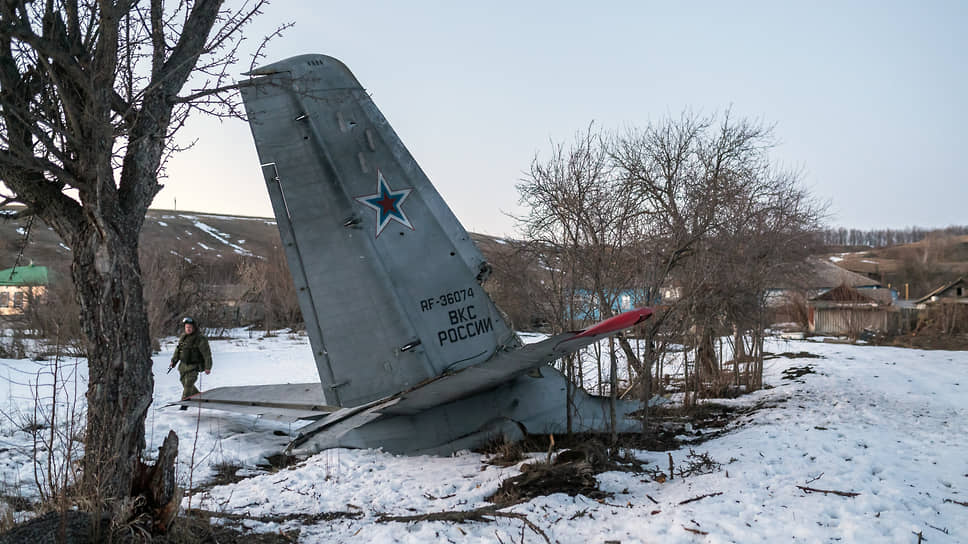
91 96
54 314
559 192
588 218
268 283
693 203
173 288
666 164
725 221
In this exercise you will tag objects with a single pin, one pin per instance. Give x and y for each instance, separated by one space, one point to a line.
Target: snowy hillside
191 235
187 234
885 428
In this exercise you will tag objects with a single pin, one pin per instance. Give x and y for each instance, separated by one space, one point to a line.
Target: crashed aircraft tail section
412 354
389 282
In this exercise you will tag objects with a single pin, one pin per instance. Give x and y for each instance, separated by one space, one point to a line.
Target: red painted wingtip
615 324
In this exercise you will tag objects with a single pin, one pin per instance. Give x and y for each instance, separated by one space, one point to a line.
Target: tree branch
825 491
479 514
207 92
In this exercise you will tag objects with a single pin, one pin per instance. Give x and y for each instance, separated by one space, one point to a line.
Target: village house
846 311
955 292
788 300
945 308
819 276
21 286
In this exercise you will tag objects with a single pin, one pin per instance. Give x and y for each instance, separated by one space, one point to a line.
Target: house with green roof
21 286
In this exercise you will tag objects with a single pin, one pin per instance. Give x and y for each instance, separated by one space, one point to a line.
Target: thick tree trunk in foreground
89 103
108 282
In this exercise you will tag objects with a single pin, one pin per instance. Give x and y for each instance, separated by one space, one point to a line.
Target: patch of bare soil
198 529
581 457
280 461
667 429
225 474
927 340
233 523
501 453
77 527
17 503
795 372
53 527
671 428
571 472
792 355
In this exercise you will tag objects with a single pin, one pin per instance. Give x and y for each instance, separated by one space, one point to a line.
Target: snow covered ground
888 424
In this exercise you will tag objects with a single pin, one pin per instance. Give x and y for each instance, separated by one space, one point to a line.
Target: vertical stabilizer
389 281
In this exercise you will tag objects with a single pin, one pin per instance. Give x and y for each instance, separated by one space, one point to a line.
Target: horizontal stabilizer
470 381
600 330
509 364
281 402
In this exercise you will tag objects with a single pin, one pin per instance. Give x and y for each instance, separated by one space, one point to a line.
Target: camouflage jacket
193 351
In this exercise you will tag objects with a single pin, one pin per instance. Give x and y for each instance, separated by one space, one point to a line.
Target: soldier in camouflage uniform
195 356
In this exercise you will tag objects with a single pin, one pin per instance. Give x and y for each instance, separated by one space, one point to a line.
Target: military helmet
188 321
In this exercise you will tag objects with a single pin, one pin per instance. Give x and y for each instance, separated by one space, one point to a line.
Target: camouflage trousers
188 377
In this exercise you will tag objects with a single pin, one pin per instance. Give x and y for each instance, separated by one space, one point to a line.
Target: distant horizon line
827 227
213 213
223 214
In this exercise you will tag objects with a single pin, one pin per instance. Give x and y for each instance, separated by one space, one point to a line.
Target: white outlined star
387 204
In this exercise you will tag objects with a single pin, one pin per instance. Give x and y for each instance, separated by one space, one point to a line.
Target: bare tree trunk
756 373
759 359
598 361
697 369
685 377
569 391
647 358
107 278
580 367
722 362
739 353
633 360
613 389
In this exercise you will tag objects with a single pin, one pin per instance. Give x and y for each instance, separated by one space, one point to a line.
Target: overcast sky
868 98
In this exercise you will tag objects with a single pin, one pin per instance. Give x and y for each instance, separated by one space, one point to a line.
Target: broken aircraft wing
507 365
281 402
